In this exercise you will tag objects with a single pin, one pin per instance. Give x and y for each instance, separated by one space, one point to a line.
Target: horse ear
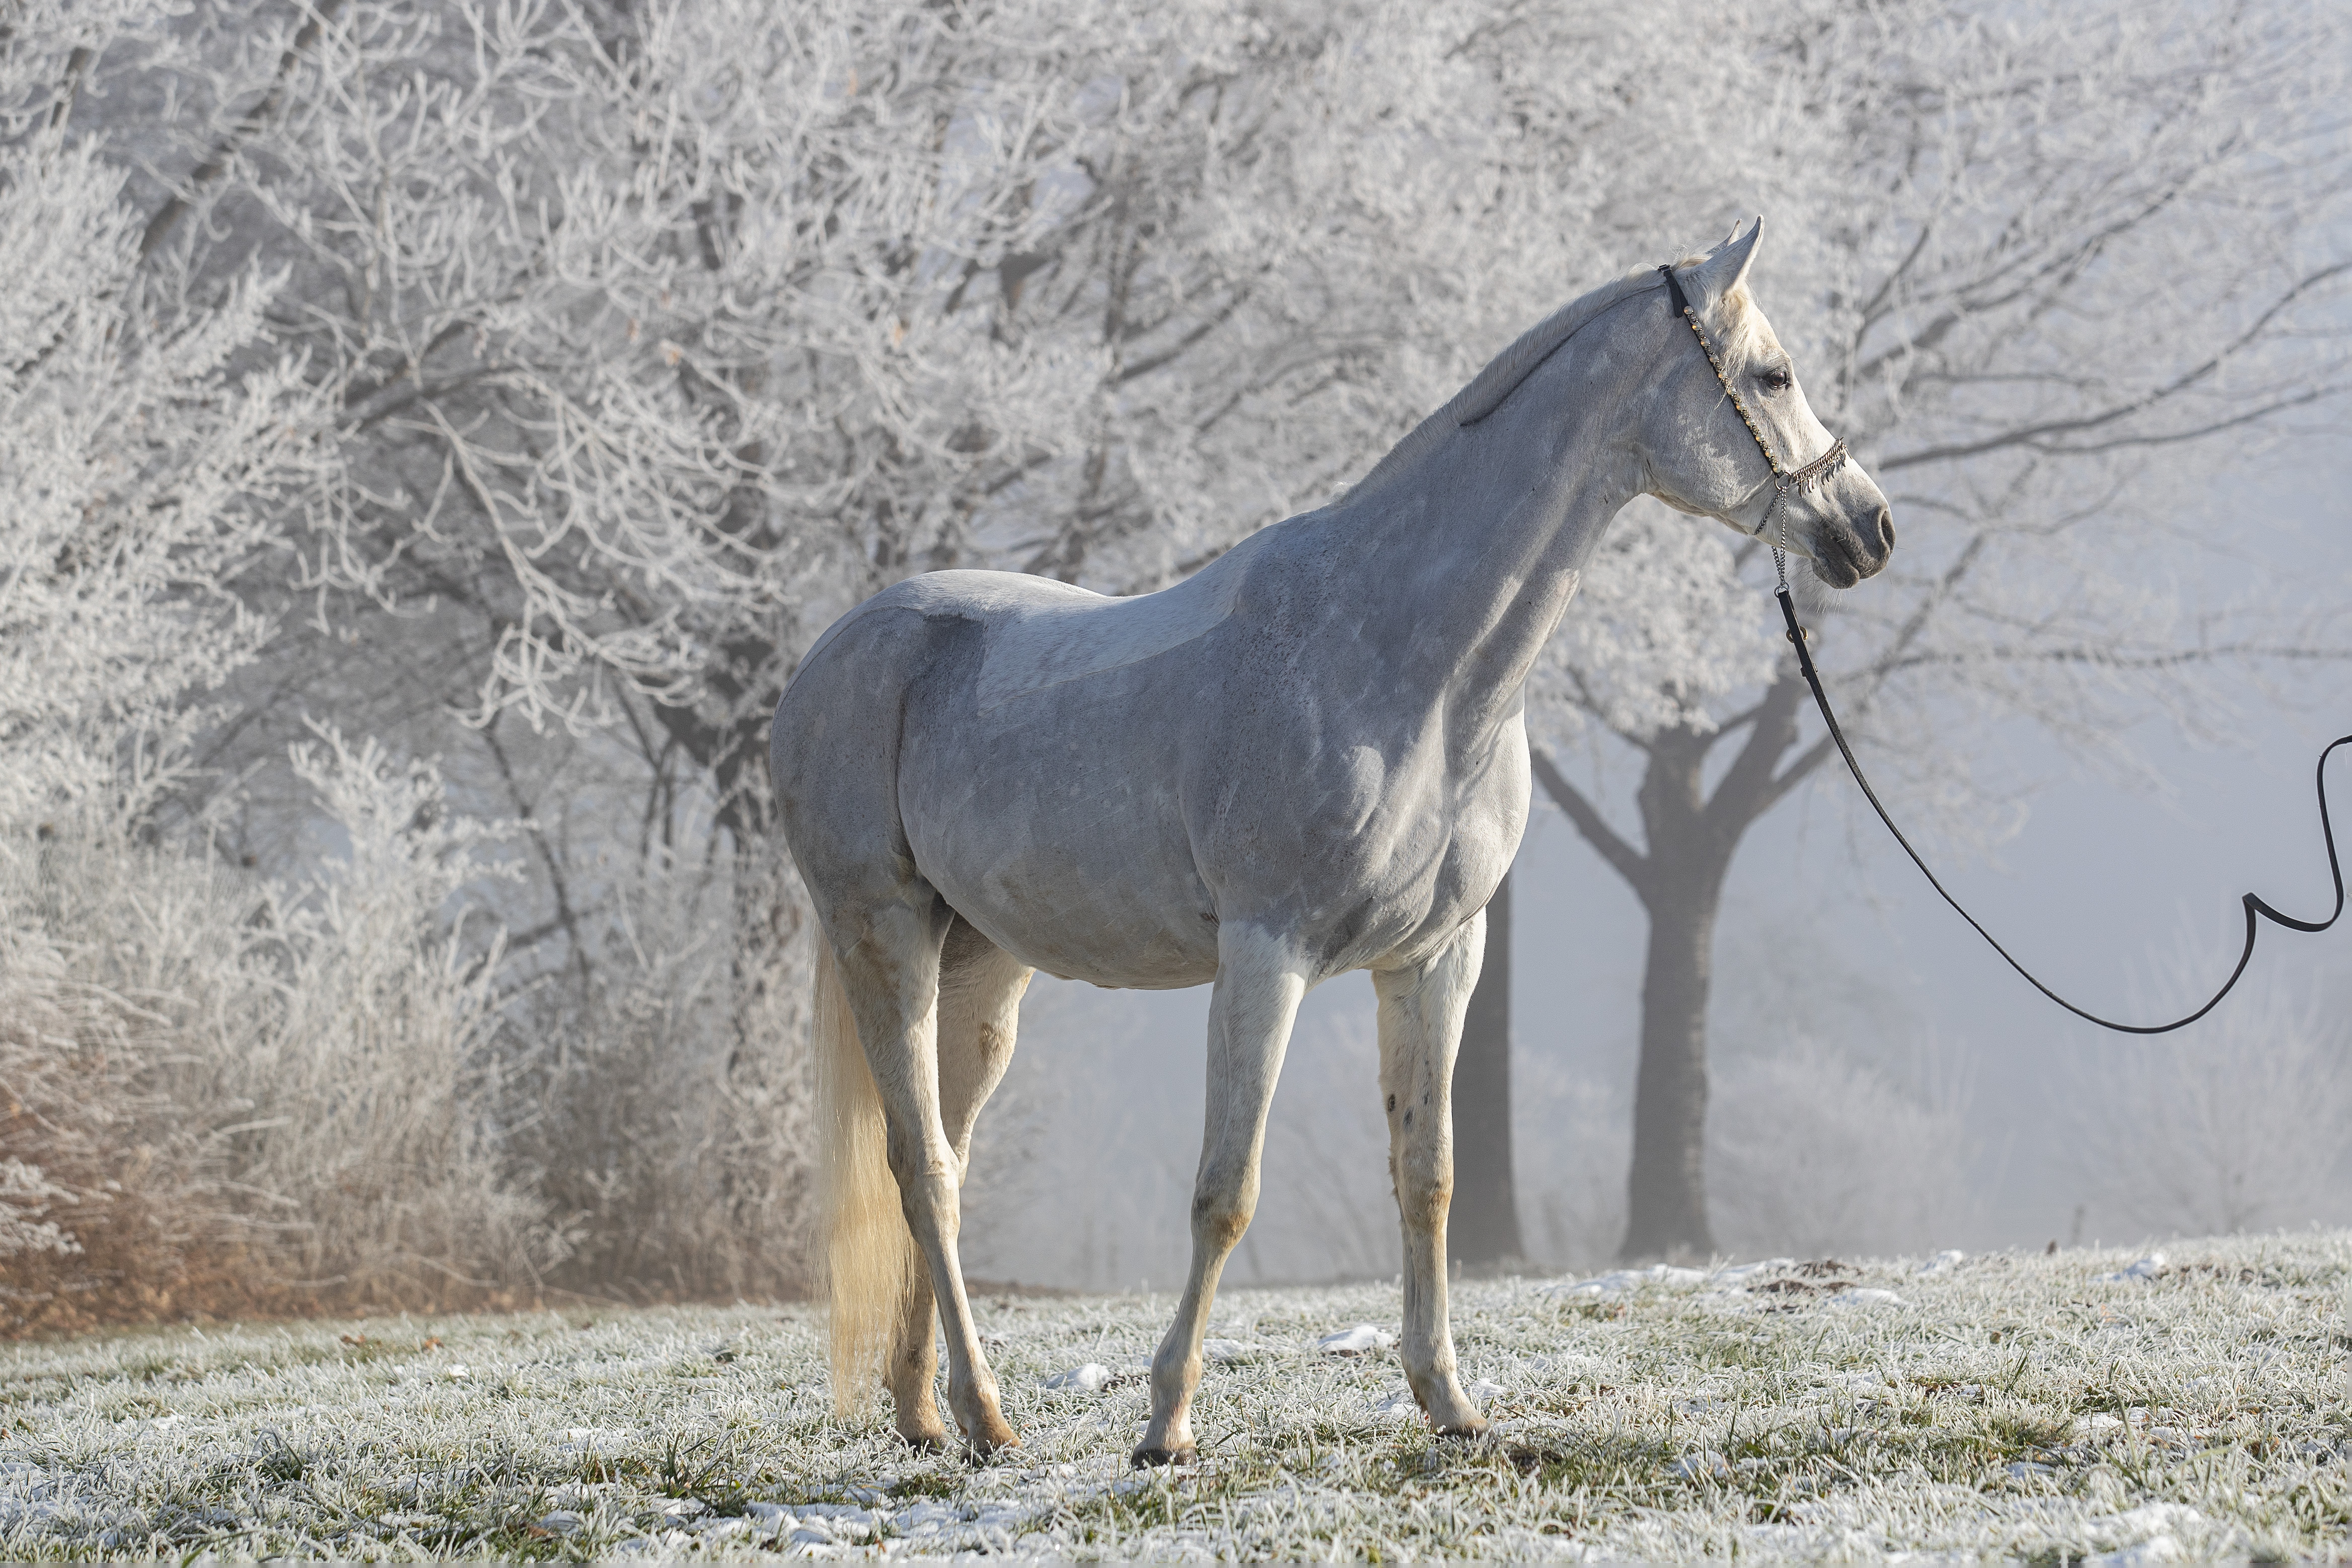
1725 268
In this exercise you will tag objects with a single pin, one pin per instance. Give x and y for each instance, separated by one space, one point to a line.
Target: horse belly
1062 839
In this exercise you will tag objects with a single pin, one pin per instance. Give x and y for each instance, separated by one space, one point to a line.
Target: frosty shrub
231 1093
2235 1124
1814 1152
25 1196
251 1090
122 975
371 1161
675 1169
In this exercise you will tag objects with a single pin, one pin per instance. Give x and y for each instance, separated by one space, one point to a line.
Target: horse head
1734 390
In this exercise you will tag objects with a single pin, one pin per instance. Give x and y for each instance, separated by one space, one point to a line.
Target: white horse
1308 759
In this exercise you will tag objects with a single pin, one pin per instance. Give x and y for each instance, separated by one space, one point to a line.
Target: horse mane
1503 374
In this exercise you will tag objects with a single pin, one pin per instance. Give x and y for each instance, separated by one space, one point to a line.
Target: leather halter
1811 477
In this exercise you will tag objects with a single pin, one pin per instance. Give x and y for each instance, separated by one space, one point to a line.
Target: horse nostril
1886 527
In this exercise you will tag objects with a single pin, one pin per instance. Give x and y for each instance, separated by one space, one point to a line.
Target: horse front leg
1259 983
892 978
1421 1029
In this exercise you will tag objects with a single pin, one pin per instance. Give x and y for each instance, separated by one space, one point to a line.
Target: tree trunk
1484 1225
1691 838
1682 887
1666 1193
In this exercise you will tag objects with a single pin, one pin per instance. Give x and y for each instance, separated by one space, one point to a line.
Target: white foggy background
1977 1115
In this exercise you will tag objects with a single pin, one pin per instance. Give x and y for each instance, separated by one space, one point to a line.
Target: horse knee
1220 1216
1424 1195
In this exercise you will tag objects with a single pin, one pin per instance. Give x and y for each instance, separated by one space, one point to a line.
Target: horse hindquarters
835 756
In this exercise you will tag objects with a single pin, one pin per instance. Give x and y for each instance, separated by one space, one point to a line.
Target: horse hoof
1476 1428
924 1442
1145 1459
990 1440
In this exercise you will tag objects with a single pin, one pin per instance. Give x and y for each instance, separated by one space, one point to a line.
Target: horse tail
872 1265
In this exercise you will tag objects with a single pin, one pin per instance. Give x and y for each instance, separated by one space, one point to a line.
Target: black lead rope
2254 905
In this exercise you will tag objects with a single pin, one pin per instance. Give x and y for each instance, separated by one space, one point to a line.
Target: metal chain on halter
1815 473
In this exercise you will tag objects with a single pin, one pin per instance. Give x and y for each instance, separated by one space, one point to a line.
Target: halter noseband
1812 475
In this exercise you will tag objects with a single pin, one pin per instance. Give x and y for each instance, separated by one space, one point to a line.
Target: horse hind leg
890 971
979 1006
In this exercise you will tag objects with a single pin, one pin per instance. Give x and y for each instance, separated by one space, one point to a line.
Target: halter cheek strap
1810 477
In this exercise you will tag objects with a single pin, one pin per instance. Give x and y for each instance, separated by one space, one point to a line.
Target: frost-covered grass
2001 1406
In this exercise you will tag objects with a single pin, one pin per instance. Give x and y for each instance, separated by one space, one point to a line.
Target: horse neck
1473 555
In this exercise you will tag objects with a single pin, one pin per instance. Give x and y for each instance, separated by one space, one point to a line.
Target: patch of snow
1399 1406
2145 1534
1358 1341
1619 1282
2145 1269
1481 1389
1944 1263
562 1522
1093 1377
1666 1277
1862 1296
1225 1351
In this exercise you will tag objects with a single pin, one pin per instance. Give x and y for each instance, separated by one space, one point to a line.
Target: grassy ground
2002 1405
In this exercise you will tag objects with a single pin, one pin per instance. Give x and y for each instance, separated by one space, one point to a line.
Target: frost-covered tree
154 432
147 438
658 336
136 475
2044 272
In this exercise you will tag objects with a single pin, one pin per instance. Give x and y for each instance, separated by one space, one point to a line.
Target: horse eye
1775 380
